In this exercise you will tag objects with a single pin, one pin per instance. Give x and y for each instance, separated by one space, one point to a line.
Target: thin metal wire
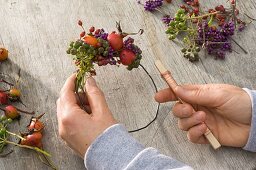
157 111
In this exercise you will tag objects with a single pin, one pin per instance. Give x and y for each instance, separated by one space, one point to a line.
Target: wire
157 111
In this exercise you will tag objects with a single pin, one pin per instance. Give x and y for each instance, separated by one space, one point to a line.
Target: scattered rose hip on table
11 112
31 139
3 54
34 139
3 98
35 124
14 94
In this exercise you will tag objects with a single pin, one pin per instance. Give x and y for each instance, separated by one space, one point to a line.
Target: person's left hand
76 126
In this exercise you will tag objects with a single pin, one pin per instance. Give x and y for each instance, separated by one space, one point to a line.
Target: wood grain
37 34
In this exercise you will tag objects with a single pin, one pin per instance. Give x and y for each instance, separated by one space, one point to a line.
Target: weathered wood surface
37 33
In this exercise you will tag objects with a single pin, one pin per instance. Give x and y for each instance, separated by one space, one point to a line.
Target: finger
206 94
196 134
182 110
165 95
68 91
69 84
187 123
95 97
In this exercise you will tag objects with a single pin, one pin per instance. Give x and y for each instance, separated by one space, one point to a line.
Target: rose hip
3 54
3 98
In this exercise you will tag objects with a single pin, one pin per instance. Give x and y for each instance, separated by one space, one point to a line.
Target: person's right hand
225 109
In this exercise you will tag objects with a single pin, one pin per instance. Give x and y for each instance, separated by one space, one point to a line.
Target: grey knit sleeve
115 149
251 143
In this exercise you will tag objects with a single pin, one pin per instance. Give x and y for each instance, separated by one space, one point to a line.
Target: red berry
103 62
196 2
115 40
127 57
196 11
220 8
220 17
11 112
92 29
97 31
3 98
182 6
82 34
236 11
80 23
232 2
168 1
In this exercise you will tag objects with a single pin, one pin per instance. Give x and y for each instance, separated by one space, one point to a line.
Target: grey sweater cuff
251 143
116 149
112 149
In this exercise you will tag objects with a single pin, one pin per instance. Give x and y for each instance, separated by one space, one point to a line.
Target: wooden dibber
166 75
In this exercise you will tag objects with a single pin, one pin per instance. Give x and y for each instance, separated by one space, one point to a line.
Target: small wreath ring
99 47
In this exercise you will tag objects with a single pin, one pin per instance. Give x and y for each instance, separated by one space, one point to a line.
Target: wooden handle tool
166 75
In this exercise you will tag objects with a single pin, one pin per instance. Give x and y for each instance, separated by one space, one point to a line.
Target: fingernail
90 82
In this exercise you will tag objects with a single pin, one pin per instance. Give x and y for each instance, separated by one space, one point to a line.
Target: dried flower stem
18 136
2 80
28 147
202 16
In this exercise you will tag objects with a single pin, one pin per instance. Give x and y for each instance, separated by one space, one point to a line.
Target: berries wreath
97 47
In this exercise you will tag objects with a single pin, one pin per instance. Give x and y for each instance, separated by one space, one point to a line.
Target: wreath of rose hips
102 48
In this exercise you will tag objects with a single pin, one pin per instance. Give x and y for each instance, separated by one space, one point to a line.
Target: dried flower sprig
212 31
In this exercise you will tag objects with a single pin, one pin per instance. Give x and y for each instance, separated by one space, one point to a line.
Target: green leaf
211 20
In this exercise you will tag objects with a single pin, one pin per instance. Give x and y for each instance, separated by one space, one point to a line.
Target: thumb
95 96
197 94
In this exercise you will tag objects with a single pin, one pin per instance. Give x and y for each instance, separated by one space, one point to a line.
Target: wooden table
37 34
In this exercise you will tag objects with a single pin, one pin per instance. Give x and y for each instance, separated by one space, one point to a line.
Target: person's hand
76 126
225 109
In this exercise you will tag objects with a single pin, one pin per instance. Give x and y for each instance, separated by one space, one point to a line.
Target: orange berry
91 40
